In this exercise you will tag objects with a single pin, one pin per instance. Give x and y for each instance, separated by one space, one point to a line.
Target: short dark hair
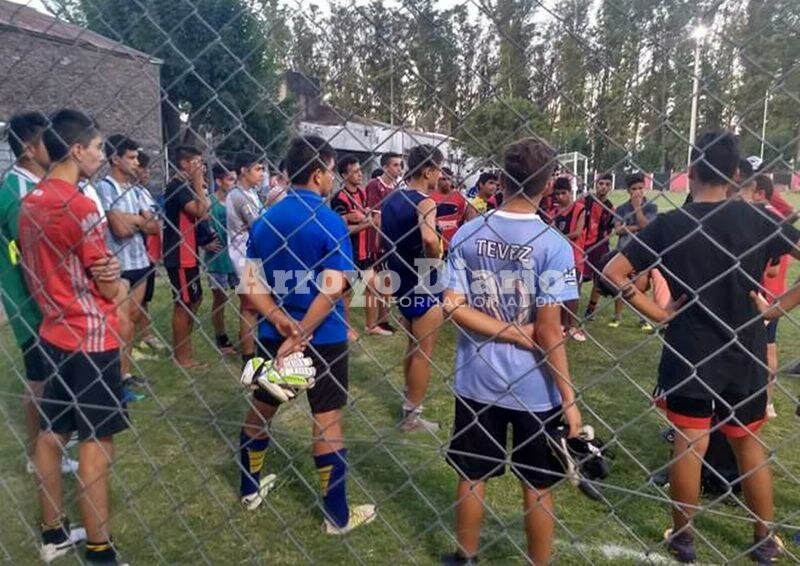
386 157
244 159
447 172
119 145
633 178
220 170
376 173
562 184
529 164
422 157
605 177
745 171
764 183
68 127
715 157
345 163
25 128
305 155
144 159
487 176
184 152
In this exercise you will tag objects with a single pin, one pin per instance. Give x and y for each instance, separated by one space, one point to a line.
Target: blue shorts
222 281
414 306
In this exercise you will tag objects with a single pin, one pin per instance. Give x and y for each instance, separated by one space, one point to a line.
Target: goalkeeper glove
283 383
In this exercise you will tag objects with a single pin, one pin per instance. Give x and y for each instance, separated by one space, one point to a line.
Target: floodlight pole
698 36
764 122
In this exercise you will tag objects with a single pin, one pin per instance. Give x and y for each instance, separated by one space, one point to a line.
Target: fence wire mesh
229 160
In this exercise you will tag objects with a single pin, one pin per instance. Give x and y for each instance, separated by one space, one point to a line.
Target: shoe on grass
767 551
378 331
646 327
50 551
577 334
359 515
681 546
254 500
614 323
413 422
455 559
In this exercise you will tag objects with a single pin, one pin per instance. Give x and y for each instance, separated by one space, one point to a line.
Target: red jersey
779 203
376 192
566 222
776 286
599 220
61 235
346 202
451 209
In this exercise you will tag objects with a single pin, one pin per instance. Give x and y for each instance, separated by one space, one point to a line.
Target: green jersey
219 262
22 311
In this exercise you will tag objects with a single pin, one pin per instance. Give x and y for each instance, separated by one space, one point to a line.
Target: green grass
175 478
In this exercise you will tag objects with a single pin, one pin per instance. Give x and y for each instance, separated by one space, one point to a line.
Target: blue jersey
508 264
402 240
296 240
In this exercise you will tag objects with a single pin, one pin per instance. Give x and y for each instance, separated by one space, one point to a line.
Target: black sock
100 551
57 533
246 358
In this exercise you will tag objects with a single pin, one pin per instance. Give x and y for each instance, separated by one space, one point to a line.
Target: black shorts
330 360
739 413
84 393
477 448
136 276
35 360
772 331
185 283
150 285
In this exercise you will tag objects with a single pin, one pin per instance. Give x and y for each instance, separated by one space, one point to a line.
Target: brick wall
122 93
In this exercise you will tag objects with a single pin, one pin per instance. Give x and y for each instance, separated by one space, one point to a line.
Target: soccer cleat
582 458
614 323
359 515
768 551
130 396
352 335
660 479
254 500
646 327
51 551
68 466
681 546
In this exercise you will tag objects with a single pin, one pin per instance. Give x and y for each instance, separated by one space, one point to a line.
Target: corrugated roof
27 19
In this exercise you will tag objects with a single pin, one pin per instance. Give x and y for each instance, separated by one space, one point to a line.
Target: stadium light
698 34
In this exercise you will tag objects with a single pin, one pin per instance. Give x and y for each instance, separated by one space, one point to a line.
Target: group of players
75 278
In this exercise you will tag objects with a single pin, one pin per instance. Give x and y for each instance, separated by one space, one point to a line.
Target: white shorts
237 250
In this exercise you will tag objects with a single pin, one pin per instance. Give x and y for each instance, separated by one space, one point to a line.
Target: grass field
175 478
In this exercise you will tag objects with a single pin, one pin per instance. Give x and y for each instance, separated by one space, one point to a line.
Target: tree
494 125
221 62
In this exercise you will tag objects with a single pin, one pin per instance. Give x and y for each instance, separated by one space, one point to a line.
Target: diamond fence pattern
200 99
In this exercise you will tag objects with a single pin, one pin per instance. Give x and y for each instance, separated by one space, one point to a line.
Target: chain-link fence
479 209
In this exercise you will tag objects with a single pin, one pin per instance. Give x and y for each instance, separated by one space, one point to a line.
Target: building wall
122 93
